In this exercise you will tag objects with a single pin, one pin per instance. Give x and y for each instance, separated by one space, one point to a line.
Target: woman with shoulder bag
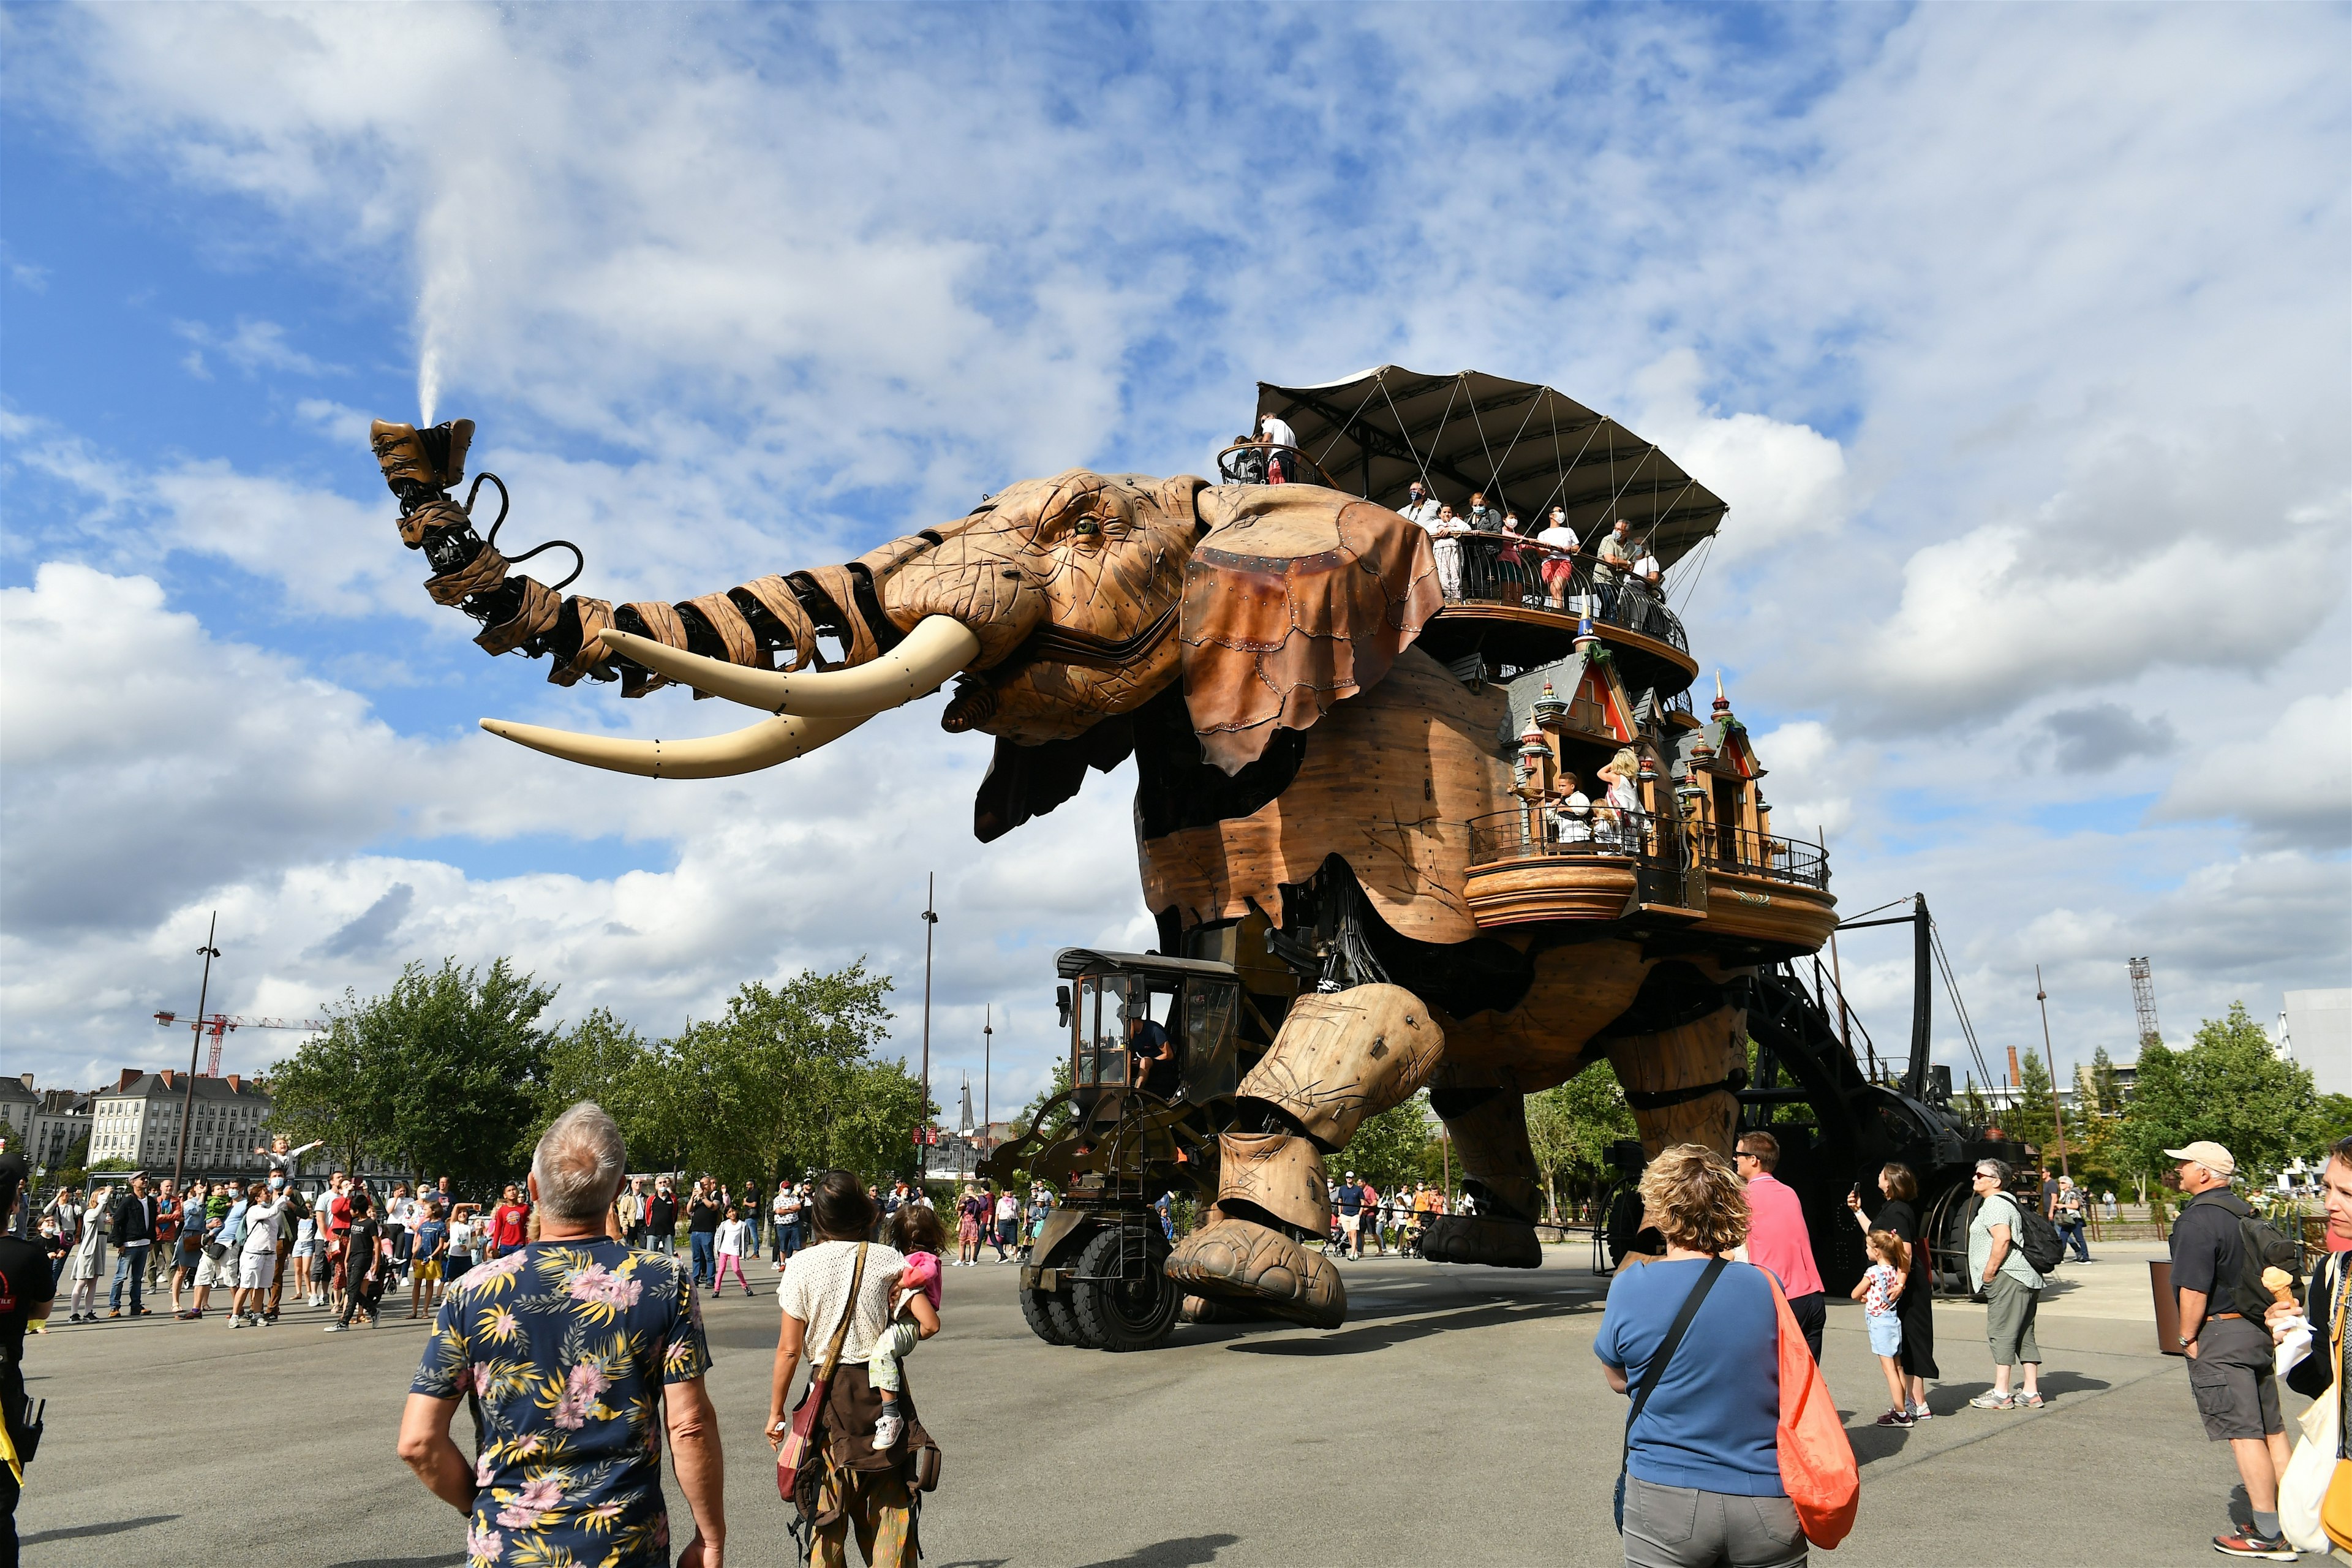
836 1298
1723 1464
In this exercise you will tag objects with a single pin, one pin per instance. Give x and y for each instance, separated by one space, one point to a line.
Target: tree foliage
1386 1150
2033 1120
2229 1086
444 1069
1570 1127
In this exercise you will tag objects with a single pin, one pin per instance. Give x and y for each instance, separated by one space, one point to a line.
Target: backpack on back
2259 1245
2038 1239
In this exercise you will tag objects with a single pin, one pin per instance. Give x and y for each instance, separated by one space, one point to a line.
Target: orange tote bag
1817 1467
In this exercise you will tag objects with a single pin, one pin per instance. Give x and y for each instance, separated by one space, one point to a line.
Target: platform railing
1266 462
1753 854
1638 838
1601 833
1475 568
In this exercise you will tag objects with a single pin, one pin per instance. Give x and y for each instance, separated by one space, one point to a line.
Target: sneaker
238 1323
2246 1543
1993 1401
2028 1402
116 1313
337 1328
886 1430
1896 1418
1921 1413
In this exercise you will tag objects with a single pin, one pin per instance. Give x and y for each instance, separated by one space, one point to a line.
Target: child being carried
916 1231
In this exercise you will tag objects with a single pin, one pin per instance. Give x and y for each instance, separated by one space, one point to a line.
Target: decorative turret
1722 705
1549 709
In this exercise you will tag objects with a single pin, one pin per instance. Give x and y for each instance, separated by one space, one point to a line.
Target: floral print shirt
567 1345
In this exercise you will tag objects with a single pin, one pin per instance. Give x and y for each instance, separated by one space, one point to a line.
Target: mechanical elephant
1303 768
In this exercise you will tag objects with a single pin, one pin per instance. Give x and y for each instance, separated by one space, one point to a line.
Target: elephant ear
1297 598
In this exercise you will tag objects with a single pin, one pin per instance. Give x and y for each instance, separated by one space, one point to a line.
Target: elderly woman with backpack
2012 1288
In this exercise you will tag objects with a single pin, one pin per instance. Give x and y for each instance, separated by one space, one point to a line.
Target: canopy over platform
1526 446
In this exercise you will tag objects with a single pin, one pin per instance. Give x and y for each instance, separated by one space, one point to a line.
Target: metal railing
1262 463
1638 838
1507 569
1601 833
1753 854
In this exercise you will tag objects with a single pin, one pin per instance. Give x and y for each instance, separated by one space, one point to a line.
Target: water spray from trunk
428 383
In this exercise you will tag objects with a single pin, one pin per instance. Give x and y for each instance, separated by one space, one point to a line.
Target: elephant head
1055 605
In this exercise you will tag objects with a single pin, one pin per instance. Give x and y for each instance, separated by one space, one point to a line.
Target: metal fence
1550 831
1506 569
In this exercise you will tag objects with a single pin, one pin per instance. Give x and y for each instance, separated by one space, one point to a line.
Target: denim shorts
1886 1335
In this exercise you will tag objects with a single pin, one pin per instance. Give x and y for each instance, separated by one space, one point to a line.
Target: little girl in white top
733 1236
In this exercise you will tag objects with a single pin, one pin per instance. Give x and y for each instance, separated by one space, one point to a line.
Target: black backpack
2038 1239
2260 1247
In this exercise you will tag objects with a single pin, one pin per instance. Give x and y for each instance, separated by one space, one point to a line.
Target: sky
2019 340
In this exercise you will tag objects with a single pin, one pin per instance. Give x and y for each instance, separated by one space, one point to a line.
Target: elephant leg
1337 1059
1680 1081
1488 1126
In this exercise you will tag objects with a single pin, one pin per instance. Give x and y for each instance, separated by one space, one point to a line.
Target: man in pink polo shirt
1776 1237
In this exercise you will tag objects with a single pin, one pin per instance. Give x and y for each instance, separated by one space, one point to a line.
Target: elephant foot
1479 1238
1252 1265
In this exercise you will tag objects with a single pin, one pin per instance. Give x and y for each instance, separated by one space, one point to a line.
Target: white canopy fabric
1526 446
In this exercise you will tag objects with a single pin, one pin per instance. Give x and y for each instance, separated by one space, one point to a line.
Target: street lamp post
987 1049
931 921
196 1043
2042 1000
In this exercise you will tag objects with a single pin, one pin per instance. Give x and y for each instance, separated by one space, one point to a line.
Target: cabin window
1726 821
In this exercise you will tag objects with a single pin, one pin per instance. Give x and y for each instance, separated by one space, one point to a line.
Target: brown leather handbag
800 1459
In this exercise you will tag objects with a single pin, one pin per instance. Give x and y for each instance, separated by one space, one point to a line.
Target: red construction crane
220 1023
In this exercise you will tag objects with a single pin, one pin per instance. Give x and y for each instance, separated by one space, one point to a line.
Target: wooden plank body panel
1696 1053
1391 781
1577 989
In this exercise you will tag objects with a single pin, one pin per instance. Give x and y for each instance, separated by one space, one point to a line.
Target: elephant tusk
745 750
937 648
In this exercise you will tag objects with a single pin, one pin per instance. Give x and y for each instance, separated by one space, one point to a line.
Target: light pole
196 1043
922 1129
2041 999
987 1048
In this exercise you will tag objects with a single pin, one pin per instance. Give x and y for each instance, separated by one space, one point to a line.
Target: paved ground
1457 1418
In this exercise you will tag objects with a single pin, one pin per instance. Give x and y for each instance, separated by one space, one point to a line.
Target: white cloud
1783 480
251 345
2293 784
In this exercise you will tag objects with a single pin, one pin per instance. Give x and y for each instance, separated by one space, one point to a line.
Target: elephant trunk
775 627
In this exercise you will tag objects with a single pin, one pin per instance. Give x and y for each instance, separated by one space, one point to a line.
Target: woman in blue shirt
1702 1467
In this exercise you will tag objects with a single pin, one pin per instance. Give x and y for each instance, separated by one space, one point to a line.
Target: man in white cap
2223 1336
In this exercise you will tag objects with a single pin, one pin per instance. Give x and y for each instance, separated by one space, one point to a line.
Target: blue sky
2017 338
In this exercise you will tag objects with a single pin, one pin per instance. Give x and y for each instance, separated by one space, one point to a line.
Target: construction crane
220 1023
2143 1001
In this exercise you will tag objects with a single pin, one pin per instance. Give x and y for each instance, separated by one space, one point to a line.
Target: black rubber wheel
1036 1310
1058 1312
1138 1316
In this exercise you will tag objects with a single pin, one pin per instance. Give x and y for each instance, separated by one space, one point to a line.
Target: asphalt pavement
1457 1417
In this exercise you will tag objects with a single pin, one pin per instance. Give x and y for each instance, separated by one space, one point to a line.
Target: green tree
443 1071
1386 1149
2033 1120
2229 1086
785 1079
1570 1127
2109 1100
603 1059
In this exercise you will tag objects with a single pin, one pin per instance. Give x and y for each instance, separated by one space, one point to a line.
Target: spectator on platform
1777 1237
1569 814
2012 1290
2229 1359
1899 1214
1610 562
1702 1460
1448 531
1420 506
1282 441
1558 558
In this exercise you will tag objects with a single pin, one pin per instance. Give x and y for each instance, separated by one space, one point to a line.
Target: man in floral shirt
578 1352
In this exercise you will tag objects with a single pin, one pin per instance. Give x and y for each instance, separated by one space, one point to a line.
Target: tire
1036 1310
1115 1317
1064 1321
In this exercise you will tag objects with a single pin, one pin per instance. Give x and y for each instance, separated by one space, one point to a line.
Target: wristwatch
2188 1340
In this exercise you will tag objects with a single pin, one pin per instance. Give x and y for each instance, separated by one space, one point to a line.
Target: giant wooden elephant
1303 769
